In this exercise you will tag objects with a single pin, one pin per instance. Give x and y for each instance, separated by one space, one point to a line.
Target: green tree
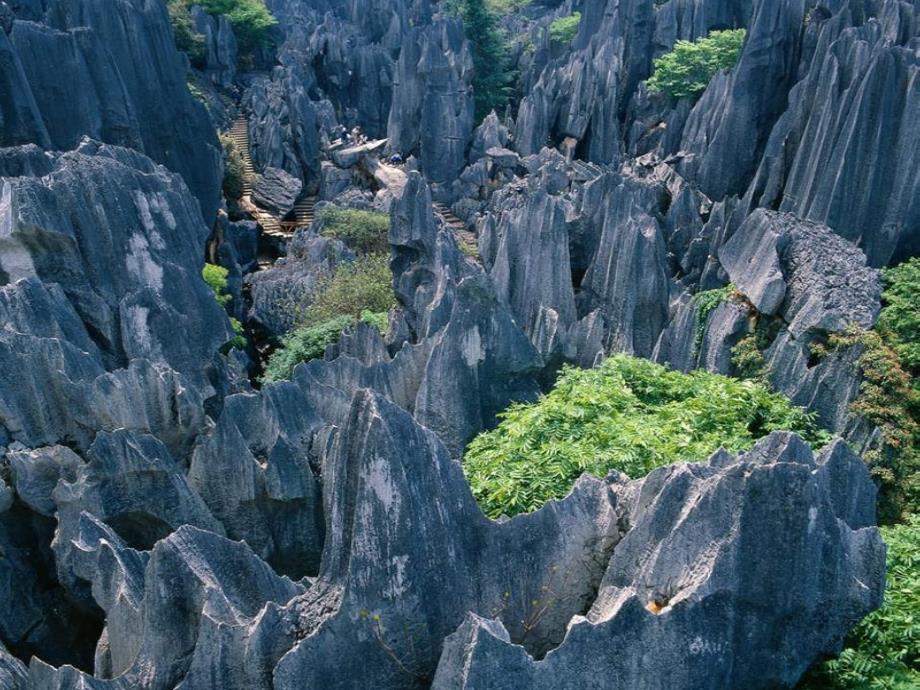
564 29
688 68
628 414
187 39
491 59
251 20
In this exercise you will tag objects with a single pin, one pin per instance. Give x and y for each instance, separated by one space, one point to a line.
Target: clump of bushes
889 396
505 7
630 415
564 29
216 278
310 342
688 68
355 287
234 169
883 651
358 290
186 37
366 232
250 19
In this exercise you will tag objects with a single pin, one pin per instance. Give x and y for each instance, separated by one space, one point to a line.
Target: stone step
457 227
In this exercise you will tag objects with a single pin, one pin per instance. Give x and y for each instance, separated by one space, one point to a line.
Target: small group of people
353 138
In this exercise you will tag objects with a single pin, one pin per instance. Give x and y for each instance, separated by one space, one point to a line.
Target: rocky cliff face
77 69
167 523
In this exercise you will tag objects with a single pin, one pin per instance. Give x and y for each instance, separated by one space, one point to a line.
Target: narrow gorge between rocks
459 344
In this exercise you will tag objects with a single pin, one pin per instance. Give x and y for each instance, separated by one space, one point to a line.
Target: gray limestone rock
433 108
683 583
111 73
276 191
283 127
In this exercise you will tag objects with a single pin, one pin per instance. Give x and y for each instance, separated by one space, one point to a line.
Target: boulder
276 191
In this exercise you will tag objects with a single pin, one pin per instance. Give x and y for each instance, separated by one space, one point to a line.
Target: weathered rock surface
688 595
220 45
111 73
276 191
433 108
133 455
283 126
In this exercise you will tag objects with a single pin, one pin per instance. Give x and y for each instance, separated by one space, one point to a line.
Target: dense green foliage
899 322
504 7
629 415
366 232
564 29
889 396
251 22
310 342
234 170
491 57
687 69
355 287
883 652
216 278
187 39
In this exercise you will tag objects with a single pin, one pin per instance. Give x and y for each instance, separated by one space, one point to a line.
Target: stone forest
459 344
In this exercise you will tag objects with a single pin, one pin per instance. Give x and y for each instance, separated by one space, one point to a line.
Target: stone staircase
271 225
304 214
465 237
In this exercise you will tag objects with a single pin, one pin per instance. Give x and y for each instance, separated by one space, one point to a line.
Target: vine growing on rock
889 396
629 415
688 68
707 302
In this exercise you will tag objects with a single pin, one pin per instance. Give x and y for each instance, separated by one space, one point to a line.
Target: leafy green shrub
366 232
630 415
358 286
564 29
234 169
310 342
883 651
216 278
899 322
687 69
